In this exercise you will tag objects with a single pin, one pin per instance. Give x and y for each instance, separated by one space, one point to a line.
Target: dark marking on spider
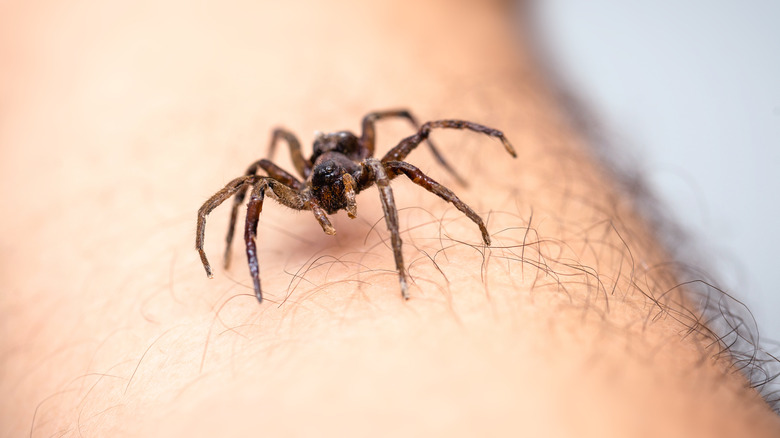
340 167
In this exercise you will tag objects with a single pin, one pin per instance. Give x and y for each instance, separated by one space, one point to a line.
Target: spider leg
369 135
286 196
253 209
302 165
375 167
408 144
395 168
274 172
238 184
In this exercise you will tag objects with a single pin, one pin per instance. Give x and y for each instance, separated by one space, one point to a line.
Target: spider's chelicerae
340 167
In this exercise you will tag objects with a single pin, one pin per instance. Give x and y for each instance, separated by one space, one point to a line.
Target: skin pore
118 121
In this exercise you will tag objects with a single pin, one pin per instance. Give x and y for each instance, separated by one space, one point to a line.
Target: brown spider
341 166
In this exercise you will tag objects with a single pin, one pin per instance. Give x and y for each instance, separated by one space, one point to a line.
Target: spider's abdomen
343 142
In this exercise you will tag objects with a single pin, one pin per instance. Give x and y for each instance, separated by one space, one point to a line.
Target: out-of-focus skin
118 120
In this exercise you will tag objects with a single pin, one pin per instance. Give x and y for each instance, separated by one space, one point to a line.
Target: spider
341 166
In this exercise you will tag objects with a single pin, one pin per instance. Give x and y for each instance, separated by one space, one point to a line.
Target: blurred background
690 93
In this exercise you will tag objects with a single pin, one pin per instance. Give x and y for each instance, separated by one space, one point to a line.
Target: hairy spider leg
395 168
302 165
368 137
284 195
408 144
229 190
253 209
372 165
273 171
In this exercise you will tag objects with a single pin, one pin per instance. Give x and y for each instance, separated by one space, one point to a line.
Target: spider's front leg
408 144
237 185
253 209
274 172
302 165
368 137
286 196
395 168
375 168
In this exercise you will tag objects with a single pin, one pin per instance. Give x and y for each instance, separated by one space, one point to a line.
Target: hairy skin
118 121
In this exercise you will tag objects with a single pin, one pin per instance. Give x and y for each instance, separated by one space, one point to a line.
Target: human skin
118 121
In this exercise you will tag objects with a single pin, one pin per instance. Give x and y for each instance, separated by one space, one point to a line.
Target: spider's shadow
302 238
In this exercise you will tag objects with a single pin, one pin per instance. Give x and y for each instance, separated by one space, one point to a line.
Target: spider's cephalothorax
341 166
332 177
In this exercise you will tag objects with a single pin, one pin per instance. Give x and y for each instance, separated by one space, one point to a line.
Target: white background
691 90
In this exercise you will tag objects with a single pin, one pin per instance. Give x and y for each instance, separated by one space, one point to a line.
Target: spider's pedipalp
349 192
322 218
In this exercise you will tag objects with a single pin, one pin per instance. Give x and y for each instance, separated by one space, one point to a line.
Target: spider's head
343 142
326 173
332 182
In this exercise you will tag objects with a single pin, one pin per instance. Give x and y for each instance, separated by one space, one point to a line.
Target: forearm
567 324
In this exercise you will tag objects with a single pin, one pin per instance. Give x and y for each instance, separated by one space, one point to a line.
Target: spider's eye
326 173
